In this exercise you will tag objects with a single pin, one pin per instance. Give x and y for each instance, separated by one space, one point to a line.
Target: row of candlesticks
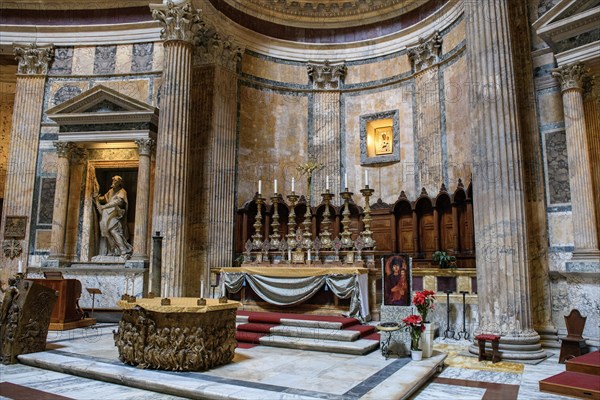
326 183
301 238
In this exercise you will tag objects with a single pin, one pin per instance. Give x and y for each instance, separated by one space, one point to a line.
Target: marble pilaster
585 232
142 206
498 191
591 105
64 152
24 140
179 27
326 80
212 145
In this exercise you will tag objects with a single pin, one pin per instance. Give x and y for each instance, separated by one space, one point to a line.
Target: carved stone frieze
214 48
570 76
427 53
326 76
179 22
145 146
12 248
33 60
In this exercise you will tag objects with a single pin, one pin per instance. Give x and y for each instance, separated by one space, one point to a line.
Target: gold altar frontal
182 336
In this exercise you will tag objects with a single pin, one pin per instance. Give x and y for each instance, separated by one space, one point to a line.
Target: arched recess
445 224
426 226
460 205
403 215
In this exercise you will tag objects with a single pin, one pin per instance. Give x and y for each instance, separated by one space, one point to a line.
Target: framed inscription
15 227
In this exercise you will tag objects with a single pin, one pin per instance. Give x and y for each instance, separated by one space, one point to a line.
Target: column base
137 263
516 348
584 260
549 336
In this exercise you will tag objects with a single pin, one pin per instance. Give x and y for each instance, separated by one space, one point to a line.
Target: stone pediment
104 115
570 24
102 105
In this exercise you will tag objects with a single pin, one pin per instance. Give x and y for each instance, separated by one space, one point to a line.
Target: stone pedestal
427 337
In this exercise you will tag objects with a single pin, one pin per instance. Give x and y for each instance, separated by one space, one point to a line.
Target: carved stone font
326 76
33 60
176 341
426 53
178 22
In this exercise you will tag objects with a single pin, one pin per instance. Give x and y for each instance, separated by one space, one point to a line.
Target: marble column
504 306
585 230
142 206
213 153
179 27
24 140
64 152
325 143
425 65
591 105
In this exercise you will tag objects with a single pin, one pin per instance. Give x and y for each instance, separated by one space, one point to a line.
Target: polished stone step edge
357 347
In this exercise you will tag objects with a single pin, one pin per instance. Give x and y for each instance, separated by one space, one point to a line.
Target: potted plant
414 325
424 301
444 260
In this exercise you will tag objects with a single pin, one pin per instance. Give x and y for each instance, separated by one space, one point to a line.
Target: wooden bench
495 340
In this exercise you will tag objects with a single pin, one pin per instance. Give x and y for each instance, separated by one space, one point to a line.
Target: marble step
243 319
316 333
357 347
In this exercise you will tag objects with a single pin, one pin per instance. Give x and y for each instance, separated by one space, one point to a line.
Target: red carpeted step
275 318
587 364
365 330
261 328
243 345
248 337
576 384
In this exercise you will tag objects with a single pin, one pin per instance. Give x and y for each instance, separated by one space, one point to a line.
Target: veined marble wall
132 69
568 290
277 126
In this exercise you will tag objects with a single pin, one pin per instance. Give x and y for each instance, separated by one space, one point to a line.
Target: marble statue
113 221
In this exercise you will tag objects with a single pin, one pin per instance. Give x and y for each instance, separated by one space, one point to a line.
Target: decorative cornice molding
326 76
215 48
427 53
145 146
179 23
33 59
570 76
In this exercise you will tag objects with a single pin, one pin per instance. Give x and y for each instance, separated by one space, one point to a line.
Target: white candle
293 184
201 289
259 187
346 180
20 271
289 255
327 182
275 184
308 254
366 178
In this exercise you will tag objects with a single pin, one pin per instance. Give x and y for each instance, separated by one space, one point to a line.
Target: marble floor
83 364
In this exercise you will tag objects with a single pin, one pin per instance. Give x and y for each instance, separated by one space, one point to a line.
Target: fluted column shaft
591 104
140 239
585 230
500 229
61 199
24 140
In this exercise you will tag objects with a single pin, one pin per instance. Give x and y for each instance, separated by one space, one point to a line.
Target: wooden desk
179 337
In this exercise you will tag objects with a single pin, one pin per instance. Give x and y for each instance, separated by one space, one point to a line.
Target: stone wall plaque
15 227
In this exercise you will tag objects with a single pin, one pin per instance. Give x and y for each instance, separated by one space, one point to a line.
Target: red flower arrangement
414 324
424 301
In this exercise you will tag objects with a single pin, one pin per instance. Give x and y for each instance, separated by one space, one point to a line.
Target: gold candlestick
366 234
307 223
275 224
257 237
293 198
326 235
346 234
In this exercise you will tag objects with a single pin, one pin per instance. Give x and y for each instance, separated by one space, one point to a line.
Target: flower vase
416 355
426 343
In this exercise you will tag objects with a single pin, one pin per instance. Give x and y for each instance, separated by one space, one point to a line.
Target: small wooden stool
495 339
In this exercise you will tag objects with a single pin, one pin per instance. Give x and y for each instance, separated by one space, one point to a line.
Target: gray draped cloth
286 291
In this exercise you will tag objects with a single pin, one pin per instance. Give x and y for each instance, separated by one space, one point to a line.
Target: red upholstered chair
573 344
495 340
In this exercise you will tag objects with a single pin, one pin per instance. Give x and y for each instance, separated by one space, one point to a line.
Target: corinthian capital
33 60
570 76
145 146
179 22
214 48
426 53
64 149
326 76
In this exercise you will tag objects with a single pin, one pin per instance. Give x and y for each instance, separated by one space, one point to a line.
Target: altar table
291 284
182 336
